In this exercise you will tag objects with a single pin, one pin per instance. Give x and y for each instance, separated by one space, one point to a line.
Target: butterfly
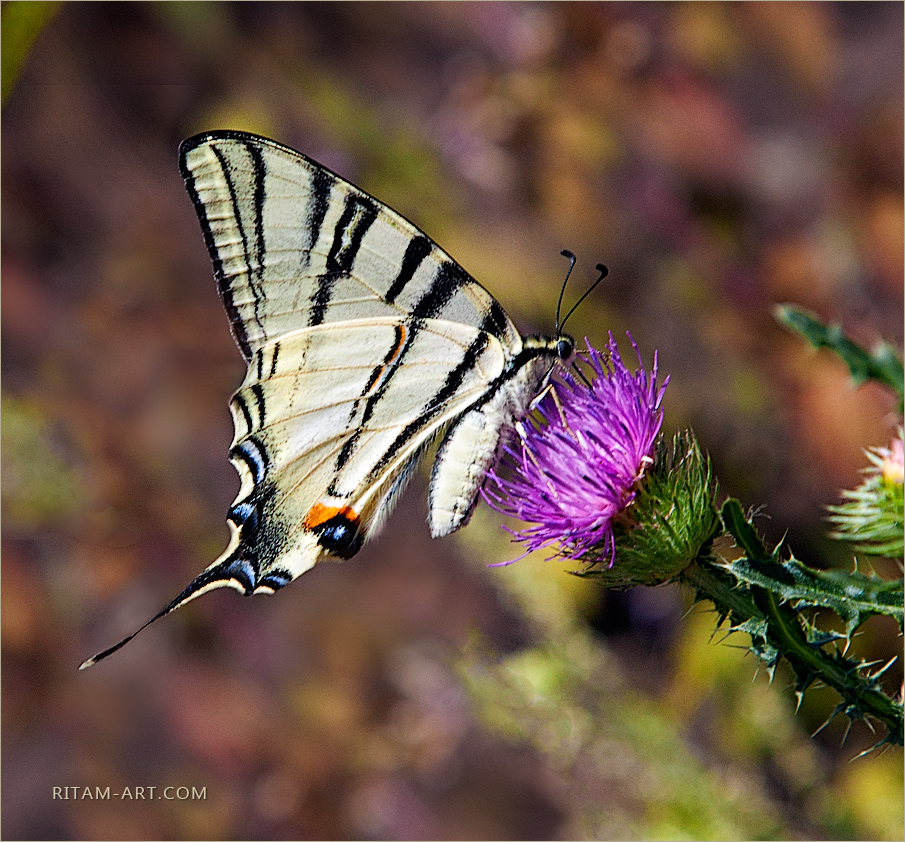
364 340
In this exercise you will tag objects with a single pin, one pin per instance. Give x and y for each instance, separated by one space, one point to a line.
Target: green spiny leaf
739 527
853 596
765 595
818 637
883 364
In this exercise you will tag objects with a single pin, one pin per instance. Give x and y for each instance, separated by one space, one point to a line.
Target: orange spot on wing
401 333
319 514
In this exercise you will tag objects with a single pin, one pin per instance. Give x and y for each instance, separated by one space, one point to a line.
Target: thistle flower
578 470
595 481
576 476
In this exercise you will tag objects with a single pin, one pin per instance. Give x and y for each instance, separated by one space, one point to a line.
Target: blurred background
719 157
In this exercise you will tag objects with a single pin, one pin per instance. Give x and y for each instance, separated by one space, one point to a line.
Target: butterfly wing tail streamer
229 573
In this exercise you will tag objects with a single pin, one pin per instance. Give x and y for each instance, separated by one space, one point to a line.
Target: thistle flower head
593 480
577 470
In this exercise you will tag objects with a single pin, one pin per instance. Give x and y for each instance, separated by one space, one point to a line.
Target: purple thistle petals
575 470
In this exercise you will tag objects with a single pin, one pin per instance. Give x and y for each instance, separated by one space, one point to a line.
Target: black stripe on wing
226 283
415 252
492 322
259 196
316 212
358 215
239 402
386 369
258 391
224 287
450 278
253 455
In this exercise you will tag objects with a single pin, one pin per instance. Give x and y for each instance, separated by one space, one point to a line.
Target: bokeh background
718 157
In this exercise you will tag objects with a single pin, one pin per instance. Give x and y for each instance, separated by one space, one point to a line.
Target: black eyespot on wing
275 579
244 572
245 515
263 529
341 535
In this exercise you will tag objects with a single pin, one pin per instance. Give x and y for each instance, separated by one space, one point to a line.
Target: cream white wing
325 441
472 444
363 340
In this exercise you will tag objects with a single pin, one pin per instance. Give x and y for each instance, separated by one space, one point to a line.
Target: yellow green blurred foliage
21 23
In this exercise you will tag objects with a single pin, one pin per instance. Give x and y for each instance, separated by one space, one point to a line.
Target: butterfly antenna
603 273
564 253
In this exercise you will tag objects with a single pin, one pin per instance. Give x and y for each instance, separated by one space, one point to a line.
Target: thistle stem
782 629
786 633
710 580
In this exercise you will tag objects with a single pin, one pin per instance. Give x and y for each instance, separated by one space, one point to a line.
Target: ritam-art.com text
130 793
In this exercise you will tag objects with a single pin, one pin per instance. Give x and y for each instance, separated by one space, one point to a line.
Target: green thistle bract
871 515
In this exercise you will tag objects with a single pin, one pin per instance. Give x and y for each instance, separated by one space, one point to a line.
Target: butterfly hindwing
332 425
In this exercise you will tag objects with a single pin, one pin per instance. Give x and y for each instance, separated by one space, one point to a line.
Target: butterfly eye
564 347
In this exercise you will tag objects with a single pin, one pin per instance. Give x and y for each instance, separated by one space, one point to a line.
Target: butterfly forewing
293 245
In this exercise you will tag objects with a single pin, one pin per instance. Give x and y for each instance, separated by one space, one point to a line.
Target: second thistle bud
871 515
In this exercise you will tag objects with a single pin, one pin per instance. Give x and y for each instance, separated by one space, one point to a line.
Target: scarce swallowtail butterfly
363 340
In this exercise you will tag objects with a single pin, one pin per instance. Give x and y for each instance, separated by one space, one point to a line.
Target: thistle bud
871 515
